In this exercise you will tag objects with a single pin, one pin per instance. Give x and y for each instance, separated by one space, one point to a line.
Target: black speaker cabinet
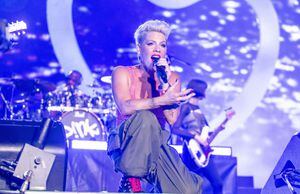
289 160
14 134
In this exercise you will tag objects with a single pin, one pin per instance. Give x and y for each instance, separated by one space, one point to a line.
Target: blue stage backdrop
247 51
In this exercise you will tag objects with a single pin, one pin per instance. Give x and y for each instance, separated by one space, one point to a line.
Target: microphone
161 70
40 142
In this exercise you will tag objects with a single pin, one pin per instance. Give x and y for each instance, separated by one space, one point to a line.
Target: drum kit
83 116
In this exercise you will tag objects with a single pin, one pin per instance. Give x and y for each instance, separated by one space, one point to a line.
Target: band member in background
73 80
145 102
189 125
69 92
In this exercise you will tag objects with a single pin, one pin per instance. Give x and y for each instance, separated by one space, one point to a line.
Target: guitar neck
215 132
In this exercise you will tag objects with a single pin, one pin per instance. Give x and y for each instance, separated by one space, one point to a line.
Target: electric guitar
201 154
10 33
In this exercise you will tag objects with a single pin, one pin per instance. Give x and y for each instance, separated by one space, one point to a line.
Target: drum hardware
71 108
95 84
96 102
83 125
84 117
30 85
26 98
36 99
8 110
20 98
6 81
44 85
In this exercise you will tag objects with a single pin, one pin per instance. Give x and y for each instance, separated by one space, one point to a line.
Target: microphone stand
8 104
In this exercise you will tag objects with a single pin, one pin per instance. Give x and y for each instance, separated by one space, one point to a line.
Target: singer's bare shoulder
120 74
123 69
120 70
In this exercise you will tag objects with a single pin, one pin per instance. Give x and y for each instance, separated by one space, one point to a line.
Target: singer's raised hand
172 96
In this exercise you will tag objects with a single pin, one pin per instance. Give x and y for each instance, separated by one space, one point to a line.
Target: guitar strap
200 118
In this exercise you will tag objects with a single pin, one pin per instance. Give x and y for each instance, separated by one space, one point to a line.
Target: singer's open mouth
155 56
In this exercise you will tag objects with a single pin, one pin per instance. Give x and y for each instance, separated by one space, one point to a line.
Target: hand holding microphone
160 69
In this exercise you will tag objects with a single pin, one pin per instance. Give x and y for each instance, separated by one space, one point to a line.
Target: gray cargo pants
139 148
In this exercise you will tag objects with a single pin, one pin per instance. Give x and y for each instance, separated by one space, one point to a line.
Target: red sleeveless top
135 93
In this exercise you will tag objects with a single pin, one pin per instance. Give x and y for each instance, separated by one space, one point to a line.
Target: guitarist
189 125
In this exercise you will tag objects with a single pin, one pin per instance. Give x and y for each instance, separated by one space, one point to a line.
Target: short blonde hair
151 26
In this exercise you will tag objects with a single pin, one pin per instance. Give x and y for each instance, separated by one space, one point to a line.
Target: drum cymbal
20 98
24 85
6 81
94 85
45 85
106 79
30 85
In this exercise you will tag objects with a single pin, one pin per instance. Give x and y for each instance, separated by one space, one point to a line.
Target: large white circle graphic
67 51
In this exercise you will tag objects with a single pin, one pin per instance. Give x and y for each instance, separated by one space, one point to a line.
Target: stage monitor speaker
286 174
13 136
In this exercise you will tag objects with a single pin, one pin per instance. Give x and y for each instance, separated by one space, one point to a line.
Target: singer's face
154 43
